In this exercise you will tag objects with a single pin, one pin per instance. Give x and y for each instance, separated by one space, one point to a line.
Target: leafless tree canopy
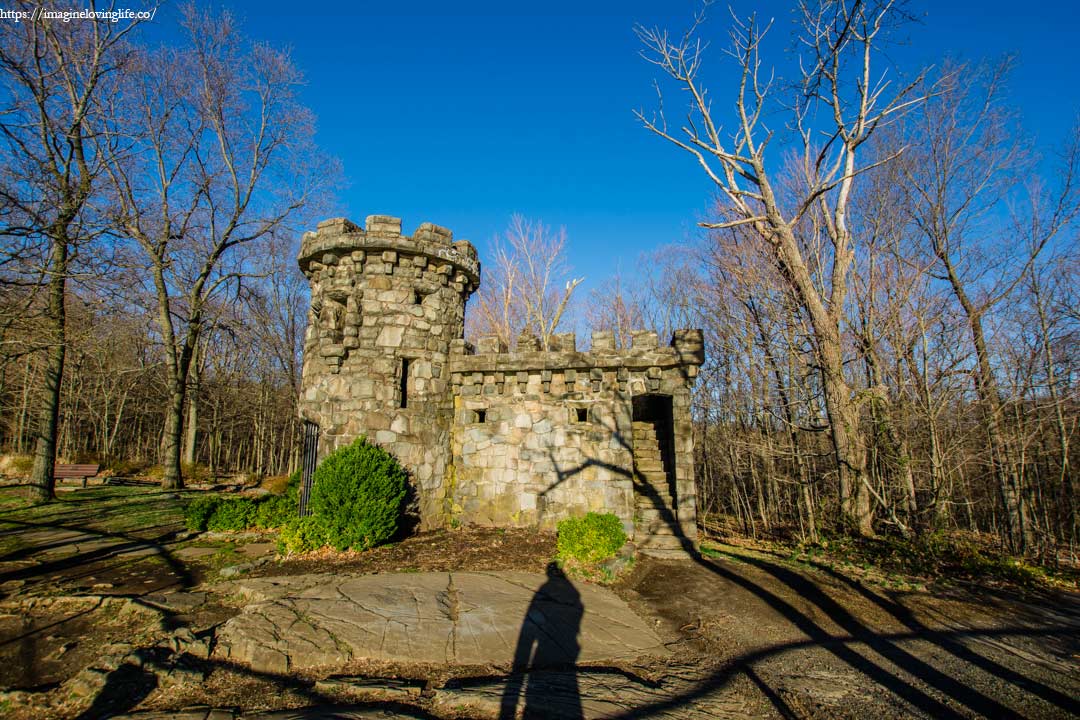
875 286
527 286
146 211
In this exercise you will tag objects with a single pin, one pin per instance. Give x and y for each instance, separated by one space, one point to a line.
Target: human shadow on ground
548 637
125 687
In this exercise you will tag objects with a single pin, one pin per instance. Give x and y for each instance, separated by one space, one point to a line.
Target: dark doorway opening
656 410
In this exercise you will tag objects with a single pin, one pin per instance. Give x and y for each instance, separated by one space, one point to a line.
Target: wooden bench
75 472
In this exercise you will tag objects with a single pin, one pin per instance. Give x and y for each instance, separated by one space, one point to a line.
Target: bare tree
837 105
221 159
57 77
613 307
527 288
969 158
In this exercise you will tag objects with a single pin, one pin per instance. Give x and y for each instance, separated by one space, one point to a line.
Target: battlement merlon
687 349
380 233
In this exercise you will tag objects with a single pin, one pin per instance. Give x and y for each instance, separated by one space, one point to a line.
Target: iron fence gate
311 455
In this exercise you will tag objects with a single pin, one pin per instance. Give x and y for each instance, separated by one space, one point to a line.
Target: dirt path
817 644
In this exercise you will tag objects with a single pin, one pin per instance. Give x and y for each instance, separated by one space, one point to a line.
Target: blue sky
463 113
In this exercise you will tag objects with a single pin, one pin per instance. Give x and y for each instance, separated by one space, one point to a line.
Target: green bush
198 512
302 535
591 539
232 514
275 511
357 496
216 513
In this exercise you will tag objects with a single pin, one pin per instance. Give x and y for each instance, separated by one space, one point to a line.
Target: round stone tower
384 310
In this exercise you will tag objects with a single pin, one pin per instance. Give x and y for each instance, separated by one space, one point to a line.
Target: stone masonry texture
491 437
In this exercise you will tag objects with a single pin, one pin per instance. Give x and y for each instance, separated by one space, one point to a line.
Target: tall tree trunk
1067 511
191 436
1017 522
42 482
849 444
177 367
173 478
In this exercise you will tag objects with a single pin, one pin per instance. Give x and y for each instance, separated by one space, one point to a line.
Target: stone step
652 489
640 517
657 542
647 465
659 479
646 504
647 514
657 526
649 498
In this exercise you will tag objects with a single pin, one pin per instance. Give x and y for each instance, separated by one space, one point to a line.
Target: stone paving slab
194 552
526 619
583 694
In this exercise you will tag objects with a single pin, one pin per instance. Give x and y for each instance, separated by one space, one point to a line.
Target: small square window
580 415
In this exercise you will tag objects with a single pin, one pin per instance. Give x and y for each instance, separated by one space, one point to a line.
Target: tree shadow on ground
878 656
125 544
882 658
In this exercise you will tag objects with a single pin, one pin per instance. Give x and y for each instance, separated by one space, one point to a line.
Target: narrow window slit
404 382
481 416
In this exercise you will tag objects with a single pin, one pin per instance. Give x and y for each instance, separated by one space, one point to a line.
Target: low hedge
234 514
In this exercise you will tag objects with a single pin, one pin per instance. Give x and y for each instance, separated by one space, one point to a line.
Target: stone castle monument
492 437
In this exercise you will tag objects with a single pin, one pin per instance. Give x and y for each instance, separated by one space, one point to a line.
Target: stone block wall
488 436
383 303
540 436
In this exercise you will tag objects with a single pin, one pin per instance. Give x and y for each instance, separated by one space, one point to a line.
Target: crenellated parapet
380 241
372 280
686 350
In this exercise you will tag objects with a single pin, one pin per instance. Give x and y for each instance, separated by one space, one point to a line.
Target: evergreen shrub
590 539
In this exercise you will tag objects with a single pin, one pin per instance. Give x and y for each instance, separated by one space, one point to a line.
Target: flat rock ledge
506 618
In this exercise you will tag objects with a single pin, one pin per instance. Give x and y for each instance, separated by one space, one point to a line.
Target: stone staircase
655 521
